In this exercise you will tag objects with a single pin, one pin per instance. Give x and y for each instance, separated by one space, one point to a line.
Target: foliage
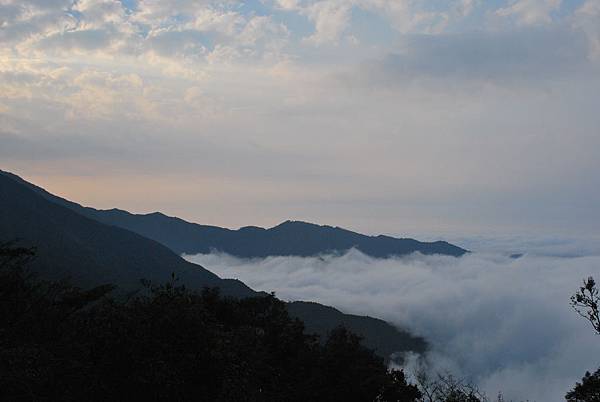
587 303
588 390
58 342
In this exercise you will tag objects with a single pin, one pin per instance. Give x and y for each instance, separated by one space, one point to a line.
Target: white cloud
30 20
287 4
97 13
587 18
157 13
530 12
227 22
330 18
466 7
104 95
408 16
505 323
181 30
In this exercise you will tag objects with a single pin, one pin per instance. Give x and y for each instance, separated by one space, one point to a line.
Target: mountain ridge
289 238
75 246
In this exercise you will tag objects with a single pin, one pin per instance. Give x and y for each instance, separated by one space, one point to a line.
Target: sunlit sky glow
396 116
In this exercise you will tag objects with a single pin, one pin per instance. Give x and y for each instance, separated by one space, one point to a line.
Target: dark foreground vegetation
586 302
58 342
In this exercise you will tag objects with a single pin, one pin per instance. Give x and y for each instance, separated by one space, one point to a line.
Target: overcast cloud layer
382 116
505 323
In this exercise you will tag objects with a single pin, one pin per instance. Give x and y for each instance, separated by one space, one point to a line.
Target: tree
588 390
447 388
398 389
587 301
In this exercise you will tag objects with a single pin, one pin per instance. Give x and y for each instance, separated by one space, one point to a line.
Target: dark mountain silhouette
92 253
89 252
291 238
382 337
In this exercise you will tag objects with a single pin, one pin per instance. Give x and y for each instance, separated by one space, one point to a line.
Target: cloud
86 40
530 12
524 57
178 43
416 17
422 113
181 30
502 322
587 19
331 18
29 21
466 7
156 13
96 13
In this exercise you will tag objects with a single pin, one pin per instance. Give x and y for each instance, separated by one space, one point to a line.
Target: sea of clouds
501 322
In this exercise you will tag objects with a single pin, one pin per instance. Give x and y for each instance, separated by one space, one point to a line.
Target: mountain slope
291 238
92 253
382 338
71 245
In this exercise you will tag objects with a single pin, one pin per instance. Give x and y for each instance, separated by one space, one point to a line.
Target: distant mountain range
73 242
291 238
89 252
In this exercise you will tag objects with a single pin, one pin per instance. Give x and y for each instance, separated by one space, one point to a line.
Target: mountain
291 238
383 338
90 253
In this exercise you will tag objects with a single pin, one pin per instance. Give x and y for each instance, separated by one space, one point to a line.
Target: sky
402 117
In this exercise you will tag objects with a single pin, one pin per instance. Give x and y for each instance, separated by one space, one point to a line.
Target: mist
501 322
